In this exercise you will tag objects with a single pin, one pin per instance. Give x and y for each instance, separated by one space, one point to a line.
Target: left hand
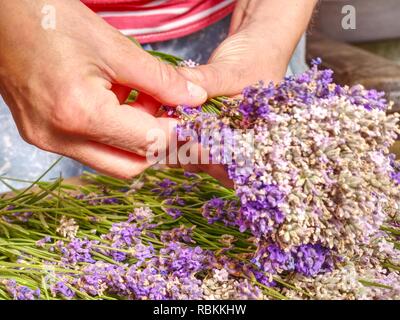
261 41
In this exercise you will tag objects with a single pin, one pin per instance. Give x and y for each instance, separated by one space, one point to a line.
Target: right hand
66 87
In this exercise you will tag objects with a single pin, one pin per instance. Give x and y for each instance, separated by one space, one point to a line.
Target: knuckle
196 75
69 114
215 75
38 139
46 146
167 75
27 136
232 81
156 141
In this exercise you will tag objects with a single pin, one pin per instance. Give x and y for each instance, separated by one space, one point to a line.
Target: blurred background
372 53
360 41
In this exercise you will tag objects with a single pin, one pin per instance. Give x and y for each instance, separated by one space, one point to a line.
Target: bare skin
261 41
66 88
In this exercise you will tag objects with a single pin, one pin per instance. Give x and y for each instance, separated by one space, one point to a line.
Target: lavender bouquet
318 183
314 213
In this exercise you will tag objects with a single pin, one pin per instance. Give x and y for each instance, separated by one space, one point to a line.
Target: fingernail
196 91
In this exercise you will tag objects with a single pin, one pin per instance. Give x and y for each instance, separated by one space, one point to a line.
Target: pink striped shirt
159 20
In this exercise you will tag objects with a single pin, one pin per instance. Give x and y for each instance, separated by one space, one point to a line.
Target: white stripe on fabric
154 3
111 14
180 23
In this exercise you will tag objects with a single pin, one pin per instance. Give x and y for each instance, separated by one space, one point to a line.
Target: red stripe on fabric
108 2
132 5
184 31
151 21
159 20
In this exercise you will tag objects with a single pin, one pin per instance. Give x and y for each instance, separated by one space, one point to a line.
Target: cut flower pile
314 214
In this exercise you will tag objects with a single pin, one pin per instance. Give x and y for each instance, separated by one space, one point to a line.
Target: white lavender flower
68 228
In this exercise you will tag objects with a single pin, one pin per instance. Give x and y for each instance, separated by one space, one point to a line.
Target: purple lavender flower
180 260
213 210
22 216
42 242
189 110
19 292
181 234
311 260
226 211
62 289
272 259
189 187
174 212
248 291
123 234
189 175
306 259
102 277
77 250
369 99
111 201
260 210
165 188
143 252
17 216
149 284
395 174
255 103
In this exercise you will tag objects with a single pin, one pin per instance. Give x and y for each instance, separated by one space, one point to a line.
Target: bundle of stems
21 259
35 213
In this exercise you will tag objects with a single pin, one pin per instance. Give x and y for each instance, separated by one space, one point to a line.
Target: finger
121 92
228 70
105 159
130 128
218 172
214 168
192 157
135 68
147 104
217 78
238 15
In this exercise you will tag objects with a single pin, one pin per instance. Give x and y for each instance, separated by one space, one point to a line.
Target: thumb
137 69
229 69
218 79
234 65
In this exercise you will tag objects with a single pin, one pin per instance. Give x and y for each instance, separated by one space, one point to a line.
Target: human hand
261 41
66 87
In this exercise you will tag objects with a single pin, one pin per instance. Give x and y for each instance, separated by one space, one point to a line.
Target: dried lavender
19 292
68 228
314 213
319 181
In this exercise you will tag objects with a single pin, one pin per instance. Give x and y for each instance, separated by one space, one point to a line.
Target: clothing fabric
160 20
